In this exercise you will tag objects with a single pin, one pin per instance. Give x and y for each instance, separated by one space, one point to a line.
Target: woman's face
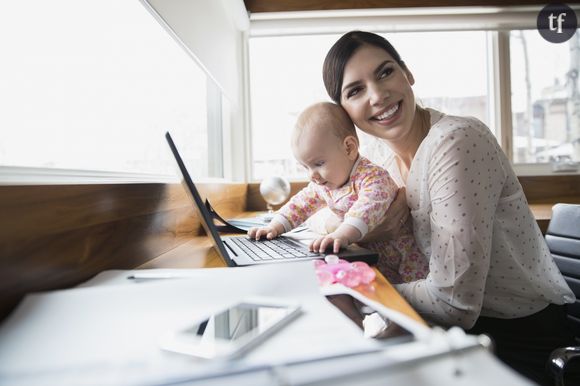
377 94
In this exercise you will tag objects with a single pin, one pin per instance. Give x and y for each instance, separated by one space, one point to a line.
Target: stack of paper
109 334
107 331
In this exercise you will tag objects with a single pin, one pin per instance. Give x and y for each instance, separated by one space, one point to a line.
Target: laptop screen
204 215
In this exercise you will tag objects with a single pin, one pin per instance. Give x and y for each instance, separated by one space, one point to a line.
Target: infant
325 143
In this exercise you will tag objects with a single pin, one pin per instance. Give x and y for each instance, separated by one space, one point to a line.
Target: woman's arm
465 180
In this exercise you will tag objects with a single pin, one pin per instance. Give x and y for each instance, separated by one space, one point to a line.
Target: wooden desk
543 210
199 253
57 236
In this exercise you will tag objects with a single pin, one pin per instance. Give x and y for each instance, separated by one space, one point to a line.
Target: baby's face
325 157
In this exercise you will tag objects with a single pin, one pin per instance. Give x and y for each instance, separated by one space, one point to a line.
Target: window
545 98
94 86
450 76
286 76
488 62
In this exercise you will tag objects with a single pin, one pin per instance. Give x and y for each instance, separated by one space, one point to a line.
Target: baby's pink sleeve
377 190
300 207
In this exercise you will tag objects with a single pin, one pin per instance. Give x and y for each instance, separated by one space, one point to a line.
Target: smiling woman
490 270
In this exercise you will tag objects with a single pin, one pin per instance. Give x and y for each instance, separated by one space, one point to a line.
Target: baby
325 142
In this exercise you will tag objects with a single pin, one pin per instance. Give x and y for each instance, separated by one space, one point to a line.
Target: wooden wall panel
541 191
58 236
314 5
41 210
255 202
551 188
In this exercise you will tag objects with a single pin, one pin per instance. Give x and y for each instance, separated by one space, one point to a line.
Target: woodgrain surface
58 236
543 189
541 192
198 253
255 202
383 292
314 5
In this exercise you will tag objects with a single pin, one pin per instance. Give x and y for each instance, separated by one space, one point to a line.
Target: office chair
563 239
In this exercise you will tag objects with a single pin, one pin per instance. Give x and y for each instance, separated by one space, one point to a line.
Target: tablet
232 331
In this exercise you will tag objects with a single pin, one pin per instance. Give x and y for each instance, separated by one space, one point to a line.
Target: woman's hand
393 221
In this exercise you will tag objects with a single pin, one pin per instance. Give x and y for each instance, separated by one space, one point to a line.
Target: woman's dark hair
343 50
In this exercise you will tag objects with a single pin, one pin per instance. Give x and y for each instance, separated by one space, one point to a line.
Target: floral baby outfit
362 203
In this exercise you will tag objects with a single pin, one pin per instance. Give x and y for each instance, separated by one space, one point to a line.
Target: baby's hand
270 232
320 244
342 237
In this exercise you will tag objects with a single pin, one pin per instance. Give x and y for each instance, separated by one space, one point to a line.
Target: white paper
106 333
109 334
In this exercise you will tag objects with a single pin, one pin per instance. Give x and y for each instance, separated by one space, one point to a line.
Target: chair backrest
563 238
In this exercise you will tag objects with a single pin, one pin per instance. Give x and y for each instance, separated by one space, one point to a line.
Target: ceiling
255 6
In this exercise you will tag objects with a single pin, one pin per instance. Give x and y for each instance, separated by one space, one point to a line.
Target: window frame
496 21
31 175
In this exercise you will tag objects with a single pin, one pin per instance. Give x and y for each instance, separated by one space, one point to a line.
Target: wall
542 192
56 236
315 5
210 33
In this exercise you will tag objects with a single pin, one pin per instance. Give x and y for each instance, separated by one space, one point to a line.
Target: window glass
450 71
285 77
94 86
545 98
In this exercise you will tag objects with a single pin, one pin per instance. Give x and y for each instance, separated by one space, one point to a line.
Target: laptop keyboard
272 249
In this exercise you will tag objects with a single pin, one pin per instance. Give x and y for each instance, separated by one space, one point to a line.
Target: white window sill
15 175
18 175
544 169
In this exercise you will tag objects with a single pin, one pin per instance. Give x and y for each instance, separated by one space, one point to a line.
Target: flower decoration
335 270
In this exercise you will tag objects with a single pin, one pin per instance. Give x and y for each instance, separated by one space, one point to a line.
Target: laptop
241 250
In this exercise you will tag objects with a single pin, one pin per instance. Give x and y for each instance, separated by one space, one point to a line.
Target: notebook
241 250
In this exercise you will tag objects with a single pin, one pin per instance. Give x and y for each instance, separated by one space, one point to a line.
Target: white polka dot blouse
471 219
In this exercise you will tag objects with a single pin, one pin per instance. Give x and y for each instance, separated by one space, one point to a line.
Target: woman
490 269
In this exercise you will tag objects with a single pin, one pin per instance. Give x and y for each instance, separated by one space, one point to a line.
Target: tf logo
557 22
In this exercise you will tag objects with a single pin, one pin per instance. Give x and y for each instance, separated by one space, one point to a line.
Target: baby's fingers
262 232
337 245
252 232
314 245
326 242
